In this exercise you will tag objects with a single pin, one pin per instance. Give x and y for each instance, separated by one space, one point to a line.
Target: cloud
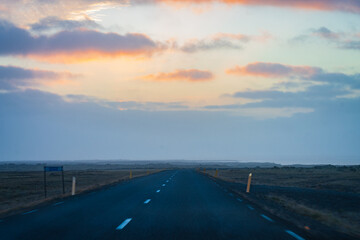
263 69
353 45
222 41
342 40
128 105
318 92
352 6
56 23
190 75
218 41
318 89
14 77
259 112
272 103
307 73
25 12
74 46
326 33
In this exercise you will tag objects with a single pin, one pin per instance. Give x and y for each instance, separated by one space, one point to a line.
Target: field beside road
319 199
25 188
342 179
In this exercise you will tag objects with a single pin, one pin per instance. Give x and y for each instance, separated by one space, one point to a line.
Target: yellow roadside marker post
204 170
130 174
216 172
248 184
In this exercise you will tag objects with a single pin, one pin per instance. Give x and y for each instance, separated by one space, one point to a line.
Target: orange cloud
262 69
190 75
325 5
91 55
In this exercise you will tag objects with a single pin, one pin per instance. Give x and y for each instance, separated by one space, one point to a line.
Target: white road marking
147 201
30 212
123 224
250 207
158 190
167 180
58 203
294 235
163 185
267 218
239 199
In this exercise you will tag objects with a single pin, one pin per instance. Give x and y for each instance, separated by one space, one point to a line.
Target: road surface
181 204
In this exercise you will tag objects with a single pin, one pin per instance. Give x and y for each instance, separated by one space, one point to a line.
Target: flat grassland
22 189
318 199
342 179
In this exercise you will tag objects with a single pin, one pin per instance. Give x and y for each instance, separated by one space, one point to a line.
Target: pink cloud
263 69
324 5
190 75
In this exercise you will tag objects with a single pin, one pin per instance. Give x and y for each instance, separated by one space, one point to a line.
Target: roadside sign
54 169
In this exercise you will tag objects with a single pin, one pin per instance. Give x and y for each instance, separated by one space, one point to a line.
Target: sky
245 80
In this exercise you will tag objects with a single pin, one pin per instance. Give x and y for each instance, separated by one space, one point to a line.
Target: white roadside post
248 184
73 186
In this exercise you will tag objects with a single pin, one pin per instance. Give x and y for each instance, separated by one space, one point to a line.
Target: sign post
44 182
54 169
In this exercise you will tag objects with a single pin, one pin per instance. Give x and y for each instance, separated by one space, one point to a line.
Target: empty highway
180 204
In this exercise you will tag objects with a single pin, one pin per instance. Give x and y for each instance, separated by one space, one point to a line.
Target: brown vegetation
313 205
21 189
343 179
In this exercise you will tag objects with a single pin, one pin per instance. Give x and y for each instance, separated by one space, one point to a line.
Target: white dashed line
250 207
29 212
167 180
163 185
158 190
147 201
58 203
267 218
240 200
123 224
294 235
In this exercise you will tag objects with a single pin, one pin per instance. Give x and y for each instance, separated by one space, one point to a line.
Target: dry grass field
311 198
343 179
21 189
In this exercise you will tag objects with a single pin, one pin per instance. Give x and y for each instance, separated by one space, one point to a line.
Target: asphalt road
178 204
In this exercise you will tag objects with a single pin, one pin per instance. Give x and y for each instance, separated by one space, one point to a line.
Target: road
179 204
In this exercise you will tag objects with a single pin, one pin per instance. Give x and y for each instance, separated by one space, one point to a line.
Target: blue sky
205 80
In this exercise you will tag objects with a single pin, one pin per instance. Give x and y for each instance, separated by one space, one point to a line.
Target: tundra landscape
320 200
179 119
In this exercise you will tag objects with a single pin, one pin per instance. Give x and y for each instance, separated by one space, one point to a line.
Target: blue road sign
53 169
